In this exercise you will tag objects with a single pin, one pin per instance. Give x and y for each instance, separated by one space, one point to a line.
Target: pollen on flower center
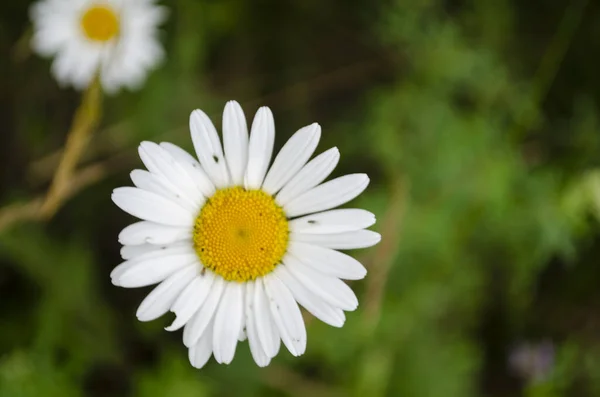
100 23
241 234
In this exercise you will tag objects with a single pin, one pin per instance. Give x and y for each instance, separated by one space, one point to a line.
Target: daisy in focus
113 39
236 245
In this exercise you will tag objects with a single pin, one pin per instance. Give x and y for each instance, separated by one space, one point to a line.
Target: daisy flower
236 245
115 39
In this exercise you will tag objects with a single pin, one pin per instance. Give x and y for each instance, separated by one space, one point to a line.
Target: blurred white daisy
116 39
235 245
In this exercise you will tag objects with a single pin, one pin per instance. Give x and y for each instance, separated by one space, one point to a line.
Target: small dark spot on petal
311 222
215 158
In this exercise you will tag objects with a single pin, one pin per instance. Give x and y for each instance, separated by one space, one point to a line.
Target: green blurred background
478 123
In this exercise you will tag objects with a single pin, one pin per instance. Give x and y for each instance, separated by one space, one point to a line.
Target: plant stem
84 122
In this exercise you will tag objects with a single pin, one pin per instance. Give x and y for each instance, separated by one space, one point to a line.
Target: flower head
114 39
236 245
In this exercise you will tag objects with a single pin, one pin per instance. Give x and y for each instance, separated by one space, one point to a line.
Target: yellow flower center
100 23
241 234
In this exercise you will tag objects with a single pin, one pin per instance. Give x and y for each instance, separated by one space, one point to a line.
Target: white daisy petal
66 62
292 157
48 41
331 289
266 328
192 167
328 261
131 251
158 184
258 353
339 241
145 251
151 270
200 353
286 314
159 161
195 328
319 308
228 321
152 233
260 148
242 335
191 299
333 221
328 195
86 68
151 207
162 297
309 176
208 148
235 141
176 250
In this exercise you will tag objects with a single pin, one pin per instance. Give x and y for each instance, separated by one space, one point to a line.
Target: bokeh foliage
478 125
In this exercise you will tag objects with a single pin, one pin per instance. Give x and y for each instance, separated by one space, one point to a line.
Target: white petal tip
376 238
143 148
174 326
232 103
263 114
143 317
339 325
316 131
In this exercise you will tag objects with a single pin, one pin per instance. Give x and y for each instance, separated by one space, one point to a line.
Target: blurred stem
30 210
376 363
550 64
383 256
85 120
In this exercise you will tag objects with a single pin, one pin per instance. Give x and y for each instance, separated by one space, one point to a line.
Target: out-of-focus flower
533 362
235 245
115 39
